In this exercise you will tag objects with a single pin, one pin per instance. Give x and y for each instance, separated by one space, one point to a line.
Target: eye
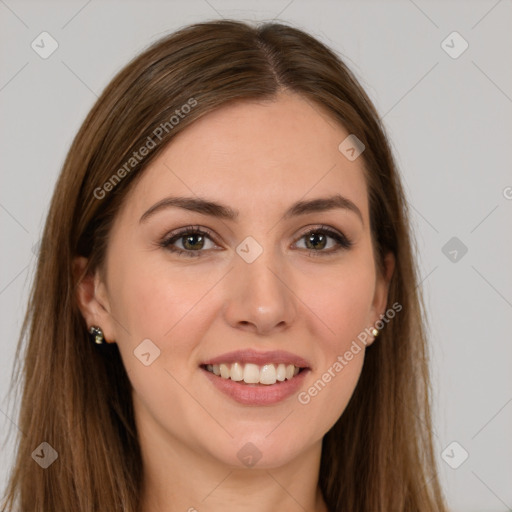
192 240
316 240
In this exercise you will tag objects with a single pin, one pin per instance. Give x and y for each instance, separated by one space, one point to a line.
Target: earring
97 333
375 332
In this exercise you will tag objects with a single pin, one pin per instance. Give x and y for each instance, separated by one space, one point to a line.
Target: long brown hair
379 454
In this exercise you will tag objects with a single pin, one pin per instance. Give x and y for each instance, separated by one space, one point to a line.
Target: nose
259 295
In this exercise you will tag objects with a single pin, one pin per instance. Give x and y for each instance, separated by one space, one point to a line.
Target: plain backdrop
448 113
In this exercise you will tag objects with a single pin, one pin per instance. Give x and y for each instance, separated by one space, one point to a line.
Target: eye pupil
191 237
315 238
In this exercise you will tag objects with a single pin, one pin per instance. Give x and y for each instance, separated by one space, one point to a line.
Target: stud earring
375 332
98 334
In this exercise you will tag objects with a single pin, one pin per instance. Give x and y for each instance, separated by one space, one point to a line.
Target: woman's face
261 287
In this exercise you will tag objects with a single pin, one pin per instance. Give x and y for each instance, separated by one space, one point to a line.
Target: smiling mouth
250 373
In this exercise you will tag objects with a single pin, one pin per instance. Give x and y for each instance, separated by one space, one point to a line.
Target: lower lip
257 394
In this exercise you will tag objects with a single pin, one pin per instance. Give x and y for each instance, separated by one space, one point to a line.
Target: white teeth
224 371
281 372
253 374
268 374
237 372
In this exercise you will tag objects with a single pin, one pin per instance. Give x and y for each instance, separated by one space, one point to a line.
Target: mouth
257 378
250 373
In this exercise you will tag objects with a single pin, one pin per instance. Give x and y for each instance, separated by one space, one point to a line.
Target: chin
259 450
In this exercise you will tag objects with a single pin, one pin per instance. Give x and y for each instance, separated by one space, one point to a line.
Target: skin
258 158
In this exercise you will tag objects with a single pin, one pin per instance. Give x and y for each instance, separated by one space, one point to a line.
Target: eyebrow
213 209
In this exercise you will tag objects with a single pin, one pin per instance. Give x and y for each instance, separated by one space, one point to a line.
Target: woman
225 314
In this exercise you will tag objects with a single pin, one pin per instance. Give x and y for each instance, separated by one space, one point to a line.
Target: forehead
258 154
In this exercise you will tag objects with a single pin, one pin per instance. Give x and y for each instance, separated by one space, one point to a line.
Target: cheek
169 305
328 392
168 308
343 307
154 298
331 386
342 303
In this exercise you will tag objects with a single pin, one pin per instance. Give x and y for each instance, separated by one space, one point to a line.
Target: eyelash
343 242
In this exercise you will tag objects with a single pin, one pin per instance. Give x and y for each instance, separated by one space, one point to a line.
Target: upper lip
259 358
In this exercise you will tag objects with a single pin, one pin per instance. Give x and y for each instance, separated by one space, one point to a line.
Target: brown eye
316 240
192 241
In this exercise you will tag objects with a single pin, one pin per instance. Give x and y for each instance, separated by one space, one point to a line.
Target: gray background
450 123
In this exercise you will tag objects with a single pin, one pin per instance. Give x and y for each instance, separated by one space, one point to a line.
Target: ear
92 299
380 297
